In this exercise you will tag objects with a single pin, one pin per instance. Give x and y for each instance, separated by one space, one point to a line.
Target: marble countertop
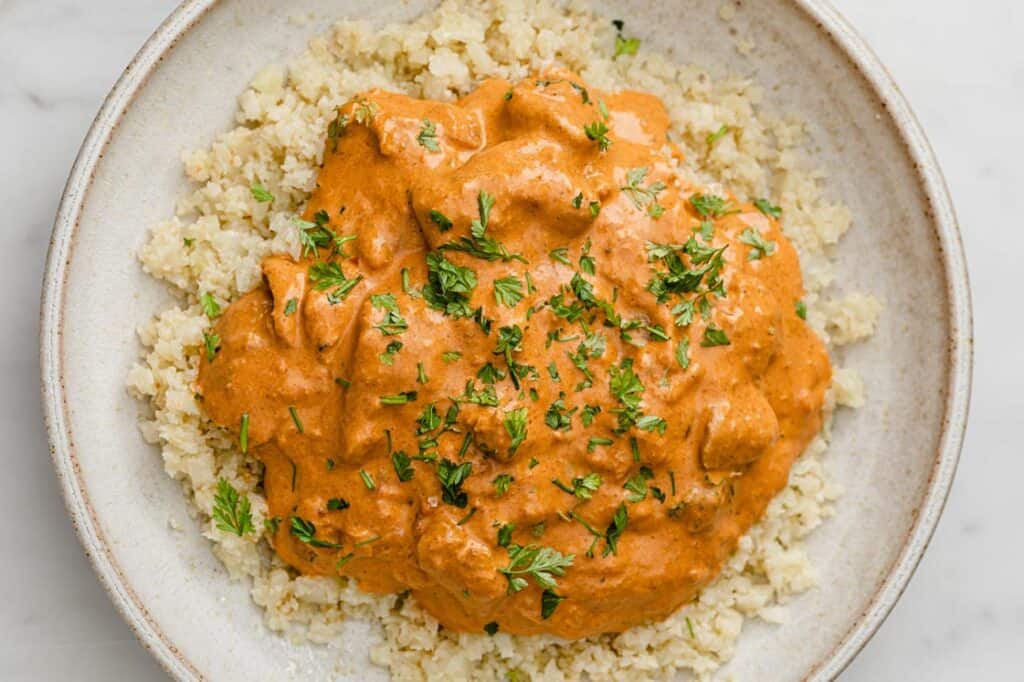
960 65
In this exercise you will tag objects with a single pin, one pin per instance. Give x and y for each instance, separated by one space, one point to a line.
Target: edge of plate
180 21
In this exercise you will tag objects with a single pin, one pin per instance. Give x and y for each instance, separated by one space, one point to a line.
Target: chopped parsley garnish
766 207
451 356
583 487
588 414
561 254
549 601
508 291
515 425
448 286
232 513
759 248
402 398
428 136
212 343
210 305
543 564
465 519
587 262
421 373
403 466
305 531
243 434
388 356
451 477
644 198
801 309
478 244
714 137
365 111
441 220
492 627
337 504
553 371
558 418
295 418
393 322
577 201
317 235
713 336
595 208
637 485
612 533
598 132
502 483
710 205
683 353
291 306
327 275
624 45
505 534
260 193
596 441
367 480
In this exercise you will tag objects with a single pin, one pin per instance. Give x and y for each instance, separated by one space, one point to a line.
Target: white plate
895 458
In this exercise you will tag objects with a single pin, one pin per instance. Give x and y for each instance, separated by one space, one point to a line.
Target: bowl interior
884 455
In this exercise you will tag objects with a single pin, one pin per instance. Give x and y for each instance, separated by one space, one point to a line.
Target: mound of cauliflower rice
221 232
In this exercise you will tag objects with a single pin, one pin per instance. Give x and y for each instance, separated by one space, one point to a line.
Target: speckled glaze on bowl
895 458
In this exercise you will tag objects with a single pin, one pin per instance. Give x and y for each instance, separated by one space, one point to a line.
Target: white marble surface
960 64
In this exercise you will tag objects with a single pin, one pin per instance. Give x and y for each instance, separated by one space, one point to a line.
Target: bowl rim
134 78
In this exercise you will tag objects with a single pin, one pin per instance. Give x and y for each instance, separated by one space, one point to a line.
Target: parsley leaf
210 305
508 291
598 132
644 198
305 531
451 478
448 286
515 425
714 137
260 193
766 207
543 564
759 248
502 483
428 136
713 336
232 512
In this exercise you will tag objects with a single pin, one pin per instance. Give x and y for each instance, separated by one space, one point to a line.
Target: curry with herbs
524 368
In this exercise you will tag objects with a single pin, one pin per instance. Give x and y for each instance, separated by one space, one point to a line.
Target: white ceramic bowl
895 458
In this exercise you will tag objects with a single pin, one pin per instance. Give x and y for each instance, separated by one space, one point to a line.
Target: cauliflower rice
221 233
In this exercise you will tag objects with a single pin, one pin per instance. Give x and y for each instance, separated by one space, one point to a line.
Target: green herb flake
515 425
337 504
428 136
451 477
502 483
210 305
367 480
291 306
759 248
543 564
212 343
508 291
713 336
766 207
232 513
683 353
714 137
305 531
801 309
243 434
260 194
441 220
549 601
402 398
598 132
295 418
492 627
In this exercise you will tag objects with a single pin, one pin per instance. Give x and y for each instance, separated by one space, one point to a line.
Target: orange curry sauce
557 412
